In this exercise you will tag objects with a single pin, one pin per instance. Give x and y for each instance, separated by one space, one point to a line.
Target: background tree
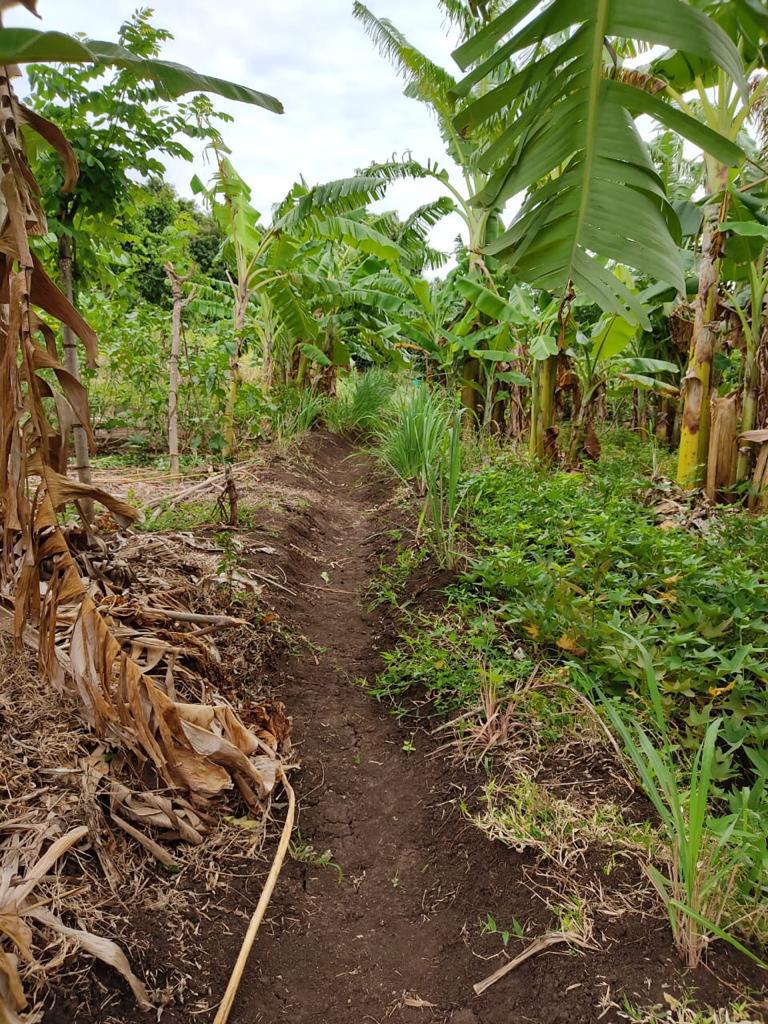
118 128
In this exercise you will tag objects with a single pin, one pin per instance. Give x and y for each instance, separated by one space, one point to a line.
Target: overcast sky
344 105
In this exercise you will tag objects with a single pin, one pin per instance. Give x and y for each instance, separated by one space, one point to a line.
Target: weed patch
444 660
191 515
527 816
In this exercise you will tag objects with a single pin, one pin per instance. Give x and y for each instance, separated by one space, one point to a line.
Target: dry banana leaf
17 909
55 137
52 597
198 753
103 949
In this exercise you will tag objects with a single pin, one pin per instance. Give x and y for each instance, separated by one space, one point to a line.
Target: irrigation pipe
225 1007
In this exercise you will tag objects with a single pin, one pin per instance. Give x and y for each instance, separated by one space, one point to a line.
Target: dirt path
349 950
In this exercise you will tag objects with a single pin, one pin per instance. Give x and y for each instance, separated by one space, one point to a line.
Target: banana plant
430 84
564 135
701 87
600 359
370 307
30 46
516 336
751 307
269 261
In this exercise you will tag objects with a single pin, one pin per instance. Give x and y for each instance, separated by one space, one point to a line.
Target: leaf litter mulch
381 913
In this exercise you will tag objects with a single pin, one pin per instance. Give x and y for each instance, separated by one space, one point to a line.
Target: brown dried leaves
196 753
20 874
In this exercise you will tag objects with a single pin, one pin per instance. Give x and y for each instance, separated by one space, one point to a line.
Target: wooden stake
179 302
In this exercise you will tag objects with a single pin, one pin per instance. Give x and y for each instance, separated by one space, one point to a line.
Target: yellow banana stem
694 434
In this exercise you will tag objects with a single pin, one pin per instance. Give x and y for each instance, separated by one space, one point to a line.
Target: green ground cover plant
571 577
562 559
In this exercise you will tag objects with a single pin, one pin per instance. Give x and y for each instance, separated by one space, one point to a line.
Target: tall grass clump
420 441
714 880
412 439
297 411
362 398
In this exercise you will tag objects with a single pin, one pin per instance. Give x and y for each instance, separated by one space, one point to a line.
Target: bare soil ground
394 932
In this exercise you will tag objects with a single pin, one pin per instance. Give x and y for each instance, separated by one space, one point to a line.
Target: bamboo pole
225 1007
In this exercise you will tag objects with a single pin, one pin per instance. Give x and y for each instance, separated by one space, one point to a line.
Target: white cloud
344 104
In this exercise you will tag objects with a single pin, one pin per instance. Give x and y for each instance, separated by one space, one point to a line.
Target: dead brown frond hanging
196 753
201 751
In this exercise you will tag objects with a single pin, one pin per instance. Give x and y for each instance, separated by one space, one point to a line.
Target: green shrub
565 558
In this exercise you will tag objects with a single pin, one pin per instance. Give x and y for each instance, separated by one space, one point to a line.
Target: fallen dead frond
24 866
676 509
538 946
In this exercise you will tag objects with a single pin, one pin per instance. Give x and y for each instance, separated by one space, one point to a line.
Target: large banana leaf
327 292
28 45
359 236
570 141
289 307
745 21
340 196
235 216
426 216
426 80
611 336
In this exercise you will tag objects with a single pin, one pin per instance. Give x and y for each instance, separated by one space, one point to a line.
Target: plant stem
72 363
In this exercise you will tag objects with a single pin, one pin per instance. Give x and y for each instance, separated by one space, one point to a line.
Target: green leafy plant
558 122
305 853
561 558
490 927
445 660
708 859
